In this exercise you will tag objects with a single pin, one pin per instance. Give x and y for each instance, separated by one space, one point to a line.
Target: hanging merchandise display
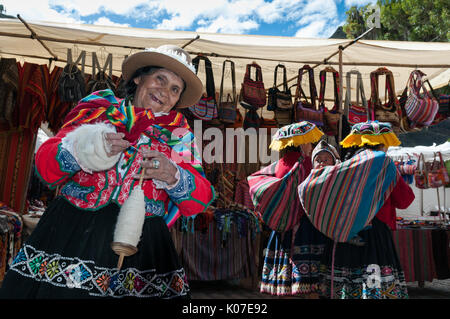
331 116
227 109
437 175
279 100
390 110
420 108
406 167
206 108
443 104
421 173
9 90
357 112
252 91
101 77
251 119
72 87
303 109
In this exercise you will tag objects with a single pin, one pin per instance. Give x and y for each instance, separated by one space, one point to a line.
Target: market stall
38 57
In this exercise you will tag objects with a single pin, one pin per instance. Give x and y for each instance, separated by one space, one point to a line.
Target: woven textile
415 251
275 198
341 200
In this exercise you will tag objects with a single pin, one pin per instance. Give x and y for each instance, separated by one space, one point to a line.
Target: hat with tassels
295 134
371 133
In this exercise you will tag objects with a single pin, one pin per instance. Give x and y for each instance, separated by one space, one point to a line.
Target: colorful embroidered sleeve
193 193
54 163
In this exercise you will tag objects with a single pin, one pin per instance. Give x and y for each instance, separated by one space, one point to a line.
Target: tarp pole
34 36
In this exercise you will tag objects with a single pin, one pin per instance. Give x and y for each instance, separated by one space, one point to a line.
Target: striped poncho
342 200
275 197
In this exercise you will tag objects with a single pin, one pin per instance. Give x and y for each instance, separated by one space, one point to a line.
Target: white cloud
312 17
106 21
349 3
229 25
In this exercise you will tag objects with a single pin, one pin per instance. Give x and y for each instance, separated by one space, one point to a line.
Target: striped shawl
342 200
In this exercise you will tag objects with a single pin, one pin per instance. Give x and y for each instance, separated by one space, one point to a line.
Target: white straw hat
173 58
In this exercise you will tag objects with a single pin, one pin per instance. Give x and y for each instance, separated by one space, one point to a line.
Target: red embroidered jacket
56 165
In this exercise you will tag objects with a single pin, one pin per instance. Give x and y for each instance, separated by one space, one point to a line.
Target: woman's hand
156 165
115 143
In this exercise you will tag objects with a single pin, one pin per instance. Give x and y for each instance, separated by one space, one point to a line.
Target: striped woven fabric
276 199
341 200
415 251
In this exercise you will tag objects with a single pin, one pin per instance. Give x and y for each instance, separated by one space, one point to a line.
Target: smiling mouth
154 98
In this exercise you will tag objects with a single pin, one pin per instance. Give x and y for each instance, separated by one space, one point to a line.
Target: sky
291 18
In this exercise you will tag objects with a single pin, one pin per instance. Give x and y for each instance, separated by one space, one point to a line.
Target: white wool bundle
131 218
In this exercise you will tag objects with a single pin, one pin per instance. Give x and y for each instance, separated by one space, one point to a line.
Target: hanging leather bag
227 109
279 100
252 91
390 110
305 110
438 176
421 173
331 116
206 108
420 108
356 112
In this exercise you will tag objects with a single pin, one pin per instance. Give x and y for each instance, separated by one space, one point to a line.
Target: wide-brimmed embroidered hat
173 58
295 134
323 146
371 133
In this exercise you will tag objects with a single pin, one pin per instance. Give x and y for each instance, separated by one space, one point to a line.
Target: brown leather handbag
390 110
331 116
305 110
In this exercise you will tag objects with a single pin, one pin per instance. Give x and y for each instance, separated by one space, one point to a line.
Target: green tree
404 20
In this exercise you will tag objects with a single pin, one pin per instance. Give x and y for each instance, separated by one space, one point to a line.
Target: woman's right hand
115 143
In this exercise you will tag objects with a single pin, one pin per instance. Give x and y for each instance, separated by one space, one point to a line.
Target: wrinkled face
158 91
323 159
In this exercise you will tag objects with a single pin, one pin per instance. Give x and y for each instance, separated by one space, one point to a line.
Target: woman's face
323 159
158 91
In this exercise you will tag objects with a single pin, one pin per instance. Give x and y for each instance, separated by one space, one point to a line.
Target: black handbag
279 100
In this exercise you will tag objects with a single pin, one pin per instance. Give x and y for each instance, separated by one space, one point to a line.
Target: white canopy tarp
400 57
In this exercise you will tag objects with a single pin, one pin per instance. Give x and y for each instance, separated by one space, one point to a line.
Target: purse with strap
303 109
206 108
227 109
331 116
420 109
356 113
421 173
438 176
279 100
252 91
390 110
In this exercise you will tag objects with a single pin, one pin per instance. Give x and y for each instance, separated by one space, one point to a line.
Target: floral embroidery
153 207
67 162
98 281
75 190
186 185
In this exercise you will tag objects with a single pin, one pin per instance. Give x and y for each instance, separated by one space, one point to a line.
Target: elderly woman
105 145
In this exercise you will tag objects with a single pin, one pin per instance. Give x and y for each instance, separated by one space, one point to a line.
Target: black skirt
69 255
370 271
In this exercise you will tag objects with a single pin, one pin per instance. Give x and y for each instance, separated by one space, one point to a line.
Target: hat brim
194 87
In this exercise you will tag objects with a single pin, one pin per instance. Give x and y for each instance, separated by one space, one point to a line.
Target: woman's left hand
156 165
